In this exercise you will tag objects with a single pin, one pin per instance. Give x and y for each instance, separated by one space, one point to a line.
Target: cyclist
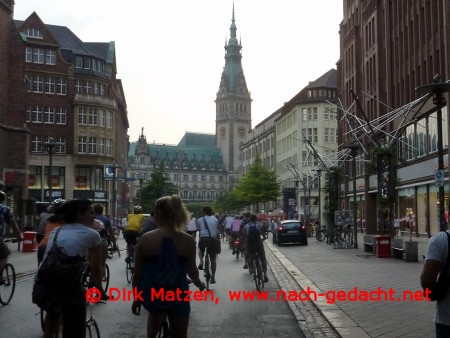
252 246
6 218
131 231
204 239
53 221
163 257
68 302
228 220
98 208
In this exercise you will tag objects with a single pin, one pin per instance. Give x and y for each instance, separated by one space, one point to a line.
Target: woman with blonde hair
163 258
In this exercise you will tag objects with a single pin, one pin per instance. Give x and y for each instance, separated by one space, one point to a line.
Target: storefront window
434 207
406 205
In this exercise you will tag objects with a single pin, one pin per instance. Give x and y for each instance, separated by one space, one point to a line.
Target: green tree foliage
157 186
259 185
333 178
228 204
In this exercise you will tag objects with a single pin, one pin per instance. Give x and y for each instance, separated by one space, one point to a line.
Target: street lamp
319 173
438 89
354 149
50 146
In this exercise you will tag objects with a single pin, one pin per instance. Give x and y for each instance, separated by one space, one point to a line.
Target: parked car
290 231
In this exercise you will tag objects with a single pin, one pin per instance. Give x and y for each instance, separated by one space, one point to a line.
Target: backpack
253 234
166 274
59 270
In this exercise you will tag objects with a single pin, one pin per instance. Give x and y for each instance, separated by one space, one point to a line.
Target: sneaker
200 266
245 266
233 252
265 278
212 281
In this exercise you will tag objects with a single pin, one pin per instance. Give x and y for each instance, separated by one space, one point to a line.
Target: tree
157 186
259 185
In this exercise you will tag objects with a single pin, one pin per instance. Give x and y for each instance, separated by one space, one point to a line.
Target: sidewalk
324 269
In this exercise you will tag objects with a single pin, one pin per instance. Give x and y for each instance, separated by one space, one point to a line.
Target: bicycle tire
207 272
349 239
130 272
105 281
7 290
92 323
164 331
42 315
320 235
259 273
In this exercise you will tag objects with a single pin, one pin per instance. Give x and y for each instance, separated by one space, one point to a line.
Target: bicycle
113 247
129 269
92 329
343 238
8 275
206 267
256 270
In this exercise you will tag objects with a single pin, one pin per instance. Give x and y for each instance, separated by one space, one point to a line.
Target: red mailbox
29 241
383 246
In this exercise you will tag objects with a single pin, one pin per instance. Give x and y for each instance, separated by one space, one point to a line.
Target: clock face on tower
223 132
241 131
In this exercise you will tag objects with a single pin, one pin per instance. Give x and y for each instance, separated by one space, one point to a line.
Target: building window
28 54
78 62
92 116
38 84
109 147
60 146
86 63
61 86
92 145
50 57
38 55
101 117
50 85
87 87
101 146
34 33
36 144
82 115
304 115
49 115
82 144
315 113
79 86
36 115
109 119
61 116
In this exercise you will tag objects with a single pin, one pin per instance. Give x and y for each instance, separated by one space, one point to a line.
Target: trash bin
383 246
29 241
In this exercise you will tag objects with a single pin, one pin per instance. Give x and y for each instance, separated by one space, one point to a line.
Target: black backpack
253 234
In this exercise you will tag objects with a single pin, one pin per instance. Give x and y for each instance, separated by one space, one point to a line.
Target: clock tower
233 104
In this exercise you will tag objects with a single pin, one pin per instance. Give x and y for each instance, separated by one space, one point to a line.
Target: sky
170 53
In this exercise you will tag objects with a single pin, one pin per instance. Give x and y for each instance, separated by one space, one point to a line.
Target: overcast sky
170 53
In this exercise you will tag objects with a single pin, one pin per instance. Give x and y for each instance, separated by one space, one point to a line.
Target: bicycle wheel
320 235
164 331
92 329
349 239
105 281
255 275
259 274
42 315
129 271
207 273
117 248
7 289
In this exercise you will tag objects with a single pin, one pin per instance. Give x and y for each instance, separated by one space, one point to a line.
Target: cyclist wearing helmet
131 231
6 217
54 220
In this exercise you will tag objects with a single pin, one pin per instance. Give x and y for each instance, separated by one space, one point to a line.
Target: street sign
439 177
108 171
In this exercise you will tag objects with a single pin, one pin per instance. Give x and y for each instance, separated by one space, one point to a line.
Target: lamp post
438 89
319 173
354 149
50 146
